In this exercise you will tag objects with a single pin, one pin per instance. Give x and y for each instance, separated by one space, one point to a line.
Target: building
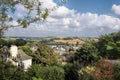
33 47
19 58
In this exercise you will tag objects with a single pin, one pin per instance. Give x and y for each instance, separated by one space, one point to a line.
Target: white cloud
116 9
95 20
62 12
64 21
47 4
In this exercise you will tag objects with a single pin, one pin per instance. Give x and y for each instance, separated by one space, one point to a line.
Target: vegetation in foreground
92 61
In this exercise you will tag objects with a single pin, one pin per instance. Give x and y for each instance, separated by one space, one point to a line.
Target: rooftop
22 55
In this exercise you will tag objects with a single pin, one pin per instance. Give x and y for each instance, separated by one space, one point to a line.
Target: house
19 58
33 47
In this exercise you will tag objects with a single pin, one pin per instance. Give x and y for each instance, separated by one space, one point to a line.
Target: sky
75 18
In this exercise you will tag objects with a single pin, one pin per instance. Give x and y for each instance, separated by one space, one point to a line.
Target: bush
104 70
117 71
10 72
71 71
75 71
86 73
86 55
109 46
47 72
34 78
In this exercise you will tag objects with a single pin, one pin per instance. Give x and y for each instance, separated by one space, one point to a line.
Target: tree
2 43
46 72
20 42
104 70
6 71
33 13
117 71
8 9
10 42
20 74
109 46
10 72
86 55
45 55
71 71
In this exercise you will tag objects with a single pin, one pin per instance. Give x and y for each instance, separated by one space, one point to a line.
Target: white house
19 58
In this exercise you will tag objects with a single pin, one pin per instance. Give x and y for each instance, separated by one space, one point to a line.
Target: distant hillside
55 40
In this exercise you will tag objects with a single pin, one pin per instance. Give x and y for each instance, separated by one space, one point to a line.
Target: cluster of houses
64 51
19 58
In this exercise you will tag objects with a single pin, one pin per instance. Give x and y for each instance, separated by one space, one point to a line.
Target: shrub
34 78
104 70
47 72
109 46
86 55
86 73
117 71
71 71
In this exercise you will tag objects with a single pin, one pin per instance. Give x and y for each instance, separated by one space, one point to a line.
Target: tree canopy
45 55
86 55
46 72
33 13
109 46
20 42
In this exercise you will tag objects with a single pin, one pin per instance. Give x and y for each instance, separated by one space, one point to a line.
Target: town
30 55
59 39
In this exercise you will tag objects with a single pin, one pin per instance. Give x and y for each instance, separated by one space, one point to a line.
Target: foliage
45 55
10 42
2 43
104 70
86 55
75 71
26 49
67 38
6 71
71 71
19 74
33 12
47 72
8 8
117 71
34 78
20 42
10 72
48 42
86 73
109 46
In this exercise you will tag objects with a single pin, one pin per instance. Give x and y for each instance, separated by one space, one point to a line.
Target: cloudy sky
81 18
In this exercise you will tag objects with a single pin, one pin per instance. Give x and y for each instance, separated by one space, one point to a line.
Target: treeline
17 42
